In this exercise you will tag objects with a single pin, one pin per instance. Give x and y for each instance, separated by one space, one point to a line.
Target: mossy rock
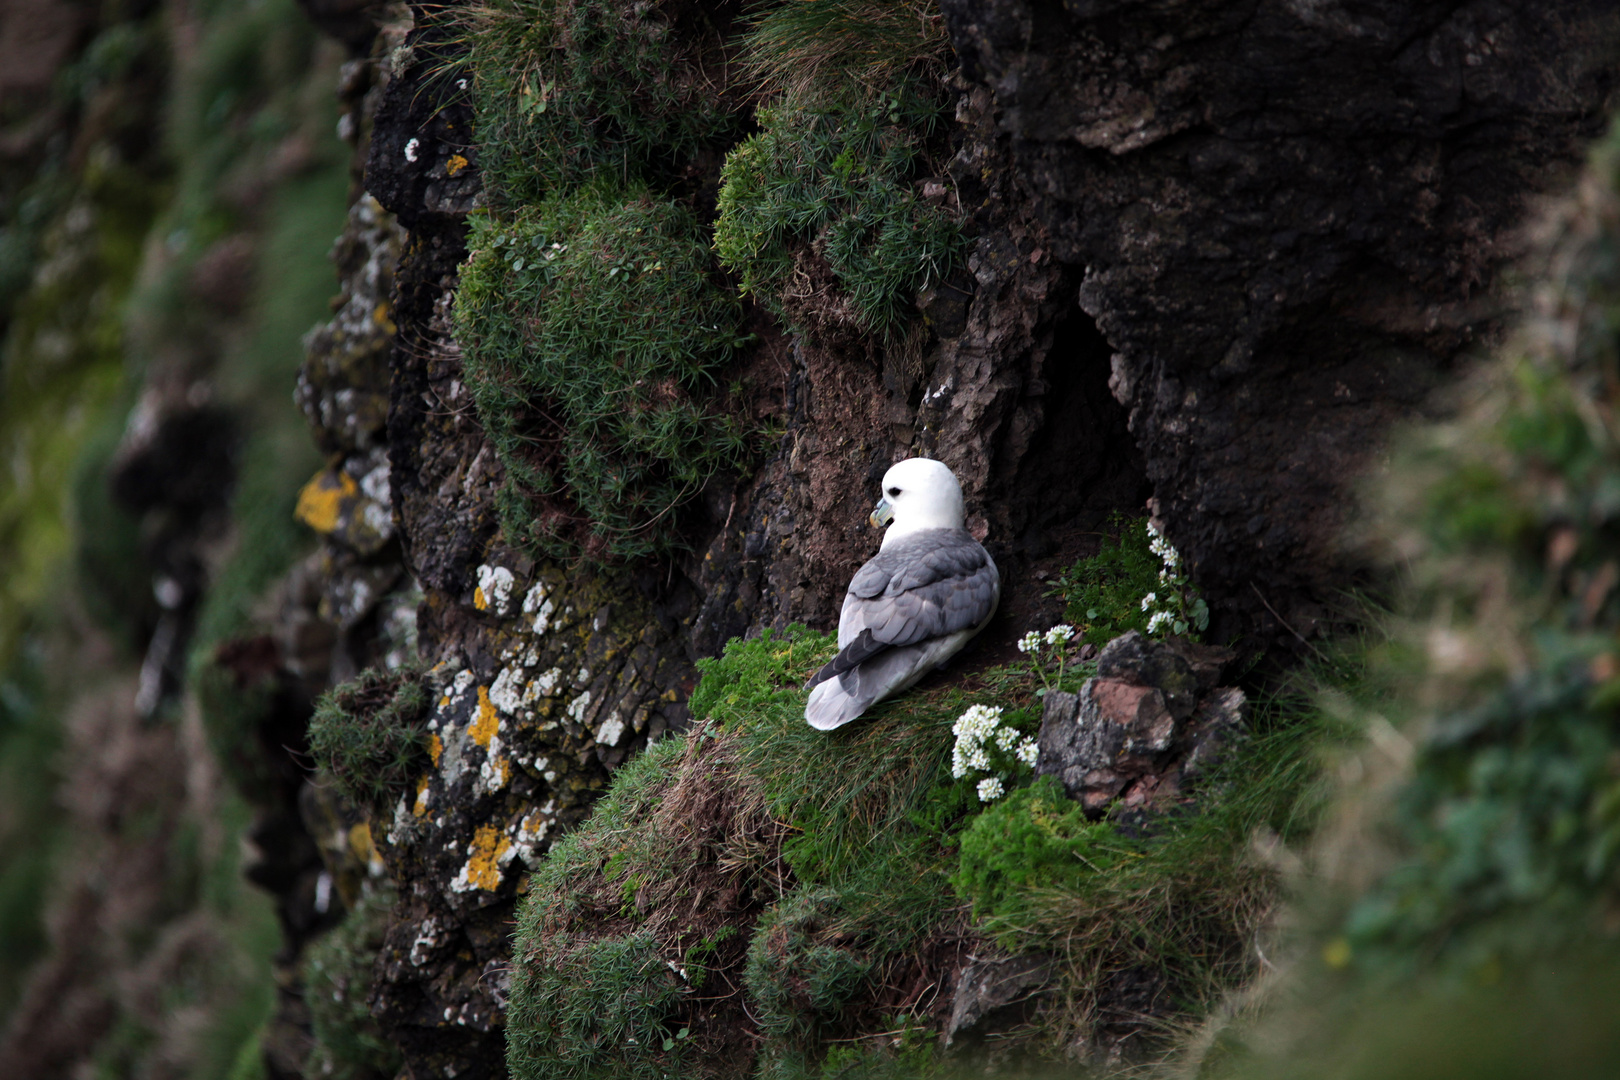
593 335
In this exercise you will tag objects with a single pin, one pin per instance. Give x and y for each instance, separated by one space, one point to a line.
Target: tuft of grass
796 48
831 175
862 855
855 97
369 735
592 332
569 91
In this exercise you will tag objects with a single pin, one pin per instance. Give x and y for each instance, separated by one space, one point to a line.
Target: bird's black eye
894 493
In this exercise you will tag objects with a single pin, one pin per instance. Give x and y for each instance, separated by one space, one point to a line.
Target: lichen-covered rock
343 385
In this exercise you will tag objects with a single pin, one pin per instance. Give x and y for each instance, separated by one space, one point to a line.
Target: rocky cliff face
1289 219
1213 253
1262 233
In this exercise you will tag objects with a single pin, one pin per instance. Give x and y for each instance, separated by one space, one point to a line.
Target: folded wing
907 611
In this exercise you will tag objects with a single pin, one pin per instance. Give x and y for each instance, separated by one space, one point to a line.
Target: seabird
929 589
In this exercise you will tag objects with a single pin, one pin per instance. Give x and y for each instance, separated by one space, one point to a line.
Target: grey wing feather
933 584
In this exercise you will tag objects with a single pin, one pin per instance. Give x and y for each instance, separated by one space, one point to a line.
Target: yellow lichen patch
321 500
420 806
455 164
486 723
381 316
480 601
483 869
435 750
361 847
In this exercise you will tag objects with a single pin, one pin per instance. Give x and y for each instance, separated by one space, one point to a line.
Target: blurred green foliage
338 973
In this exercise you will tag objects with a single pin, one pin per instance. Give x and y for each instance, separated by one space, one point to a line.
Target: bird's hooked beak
882 514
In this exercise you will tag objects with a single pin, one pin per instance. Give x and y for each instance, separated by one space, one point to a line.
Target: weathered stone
1120 739
987 989
1221 719
1141 661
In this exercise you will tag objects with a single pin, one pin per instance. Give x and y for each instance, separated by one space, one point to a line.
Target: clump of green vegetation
592 334
833 177
1134 582
596 991
855 853
337 972
800 47
565 91
830 172
368 734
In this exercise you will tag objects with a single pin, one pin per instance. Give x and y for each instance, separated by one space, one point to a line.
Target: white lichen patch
577 707
611 731
428 938
529 834
378 519
545 685
495 771
537 605
507 692
375 485
494 589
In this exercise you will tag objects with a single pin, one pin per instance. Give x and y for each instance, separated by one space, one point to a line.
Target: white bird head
919 493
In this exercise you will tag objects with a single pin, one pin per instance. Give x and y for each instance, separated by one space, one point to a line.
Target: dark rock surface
1288 218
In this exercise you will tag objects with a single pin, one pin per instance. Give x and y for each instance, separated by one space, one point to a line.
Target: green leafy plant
337 971
368 734
1037 838
1134 582
592 333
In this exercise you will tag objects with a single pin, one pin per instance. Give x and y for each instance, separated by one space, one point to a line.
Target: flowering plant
1180 608
985 744
1055 640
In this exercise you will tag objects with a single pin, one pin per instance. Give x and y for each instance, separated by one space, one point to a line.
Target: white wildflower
1059 634
1159 619
990 788
1029 642
1005 738
978 721
977 759
1029 752
1149 600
